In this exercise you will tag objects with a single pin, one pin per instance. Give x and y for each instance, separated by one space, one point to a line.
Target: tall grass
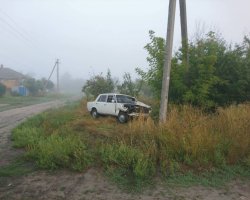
190 142
58 151
51 142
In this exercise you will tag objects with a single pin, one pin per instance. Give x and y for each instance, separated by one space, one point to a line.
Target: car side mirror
113 101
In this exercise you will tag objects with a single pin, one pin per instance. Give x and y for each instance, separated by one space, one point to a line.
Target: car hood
139 103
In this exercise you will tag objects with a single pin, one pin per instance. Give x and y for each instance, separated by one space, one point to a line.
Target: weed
57 151
50 141
191 147
126 181
130 159
212 178
20 101
16 168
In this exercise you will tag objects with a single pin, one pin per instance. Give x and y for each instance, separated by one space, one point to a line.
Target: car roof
115 94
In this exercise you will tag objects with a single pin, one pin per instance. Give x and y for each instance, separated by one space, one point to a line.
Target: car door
110 107
101 104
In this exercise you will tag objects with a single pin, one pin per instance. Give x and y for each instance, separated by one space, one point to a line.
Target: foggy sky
90 36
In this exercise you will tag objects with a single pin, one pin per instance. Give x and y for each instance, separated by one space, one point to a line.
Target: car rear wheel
122 117
94 113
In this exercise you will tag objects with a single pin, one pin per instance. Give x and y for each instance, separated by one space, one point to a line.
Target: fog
71 85
90 36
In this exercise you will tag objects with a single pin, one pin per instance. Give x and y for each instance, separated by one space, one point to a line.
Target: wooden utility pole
53 69
58 89
167 63
184 32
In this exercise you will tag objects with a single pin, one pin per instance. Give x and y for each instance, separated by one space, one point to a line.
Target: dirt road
11 118
91 184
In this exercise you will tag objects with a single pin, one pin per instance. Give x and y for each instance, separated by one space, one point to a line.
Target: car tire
94 113
122 117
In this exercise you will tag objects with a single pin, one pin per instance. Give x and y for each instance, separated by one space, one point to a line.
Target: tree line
105 84
36 87
218 73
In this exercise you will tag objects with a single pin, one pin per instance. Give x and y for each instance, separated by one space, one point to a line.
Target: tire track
10 119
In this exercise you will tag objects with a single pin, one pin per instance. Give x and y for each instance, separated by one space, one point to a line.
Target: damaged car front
132 107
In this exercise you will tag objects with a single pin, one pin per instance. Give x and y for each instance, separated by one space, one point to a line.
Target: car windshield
125 99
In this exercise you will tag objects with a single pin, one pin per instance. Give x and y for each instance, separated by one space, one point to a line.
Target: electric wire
21 34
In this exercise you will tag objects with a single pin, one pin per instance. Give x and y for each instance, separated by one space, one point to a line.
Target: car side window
110 98
102 98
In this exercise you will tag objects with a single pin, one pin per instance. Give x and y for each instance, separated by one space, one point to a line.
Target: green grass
51 143
11 102
192 148
213 178
131 161
127 182
16 168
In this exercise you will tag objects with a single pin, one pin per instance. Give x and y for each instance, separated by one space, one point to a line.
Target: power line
15 31
21 34
15 23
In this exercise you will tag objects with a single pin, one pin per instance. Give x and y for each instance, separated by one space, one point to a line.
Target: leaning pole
167 62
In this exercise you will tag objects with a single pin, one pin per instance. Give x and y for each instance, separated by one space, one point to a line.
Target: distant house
11 79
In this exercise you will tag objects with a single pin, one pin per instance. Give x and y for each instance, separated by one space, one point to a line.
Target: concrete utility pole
184 32
167 63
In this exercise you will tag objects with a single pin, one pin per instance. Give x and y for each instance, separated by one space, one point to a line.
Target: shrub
2 89
26 136
50 141
60 151
131 160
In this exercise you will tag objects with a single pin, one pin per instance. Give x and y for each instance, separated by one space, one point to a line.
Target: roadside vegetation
18 167
193 147
206 139
9 102
218 74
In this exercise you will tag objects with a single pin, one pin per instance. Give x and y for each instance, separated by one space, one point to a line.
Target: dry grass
190 140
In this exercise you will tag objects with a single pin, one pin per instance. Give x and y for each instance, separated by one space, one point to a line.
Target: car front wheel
94 113
122 117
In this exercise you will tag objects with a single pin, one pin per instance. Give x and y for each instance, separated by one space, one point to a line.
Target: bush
50 142
26 136
131 160
60 151
2 89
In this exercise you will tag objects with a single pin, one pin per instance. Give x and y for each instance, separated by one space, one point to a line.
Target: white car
119 105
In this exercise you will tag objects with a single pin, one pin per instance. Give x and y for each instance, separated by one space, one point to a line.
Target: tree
110 83
233 67
30 84
99 84
218 73
2 89
48 83
35 87
201 77
129 86
153 76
